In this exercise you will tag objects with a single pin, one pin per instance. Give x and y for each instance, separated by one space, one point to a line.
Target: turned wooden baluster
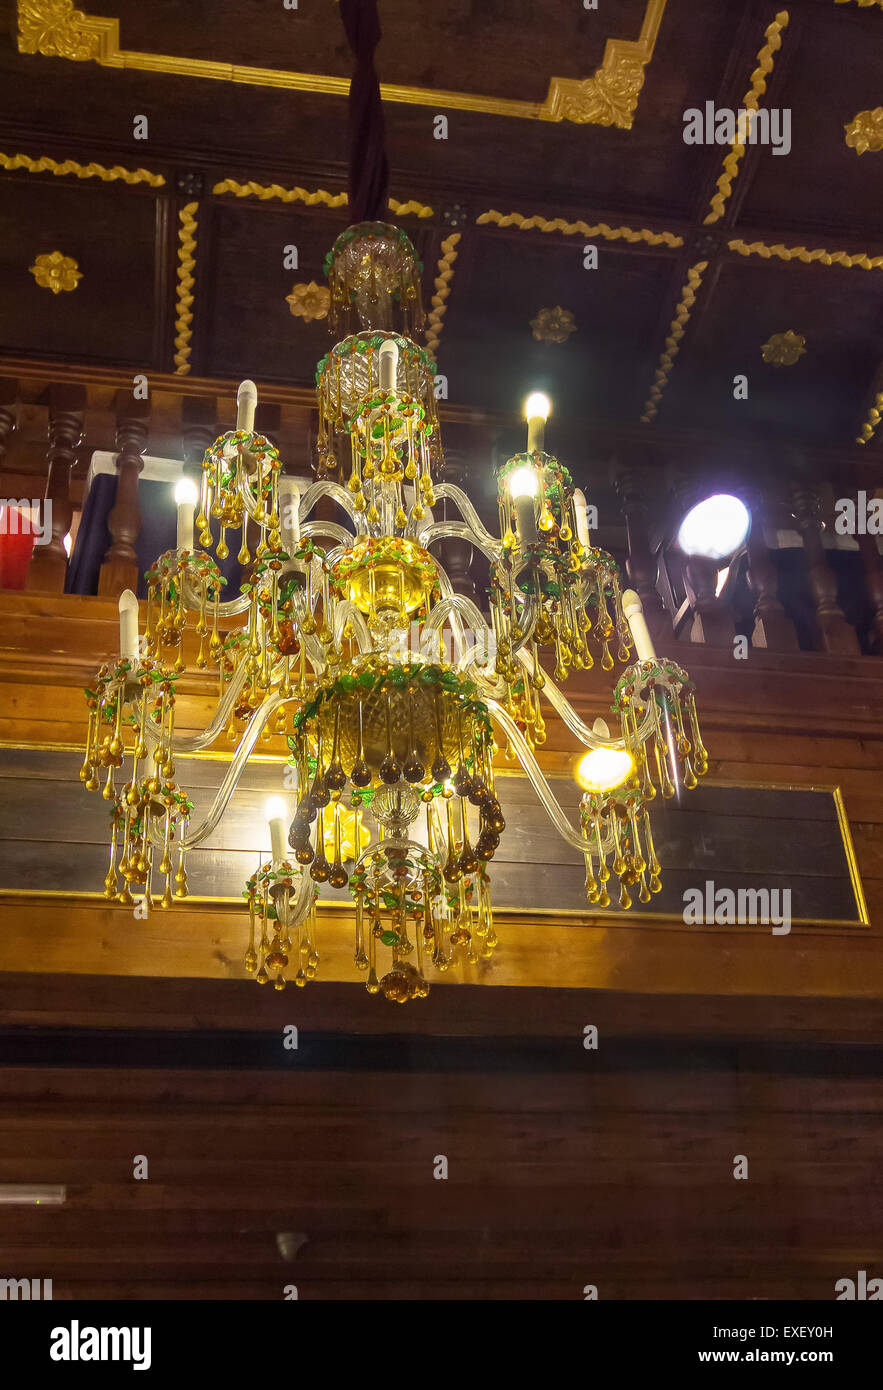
772 626
632 481
67 405
199 429
874 579
455 554
119 569
834 633
8 411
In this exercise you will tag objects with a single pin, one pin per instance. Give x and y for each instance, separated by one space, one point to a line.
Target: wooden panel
744 839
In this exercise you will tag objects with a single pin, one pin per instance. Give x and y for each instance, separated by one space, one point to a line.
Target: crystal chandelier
392 689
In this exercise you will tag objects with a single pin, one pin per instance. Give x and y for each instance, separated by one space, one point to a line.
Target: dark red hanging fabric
369 170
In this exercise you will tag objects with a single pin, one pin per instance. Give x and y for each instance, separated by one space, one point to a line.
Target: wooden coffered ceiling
564 128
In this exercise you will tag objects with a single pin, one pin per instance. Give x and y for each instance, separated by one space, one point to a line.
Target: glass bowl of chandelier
402 738
656 703
378 389
240 480
180 579
551 582
132 719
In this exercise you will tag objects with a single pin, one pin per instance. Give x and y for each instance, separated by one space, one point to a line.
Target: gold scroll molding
862 4
184 292
558 224
875 414
673 341
765 59
45 165
801 253
441 289
609 98
265 191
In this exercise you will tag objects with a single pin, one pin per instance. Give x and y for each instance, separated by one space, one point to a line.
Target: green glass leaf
390 938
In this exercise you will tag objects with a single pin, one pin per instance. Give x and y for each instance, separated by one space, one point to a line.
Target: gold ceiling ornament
309 301
57 30
444 274
800 253
56 272
765 60
609 98
558 224
265 191
673 341
553 325
186 265
875 414
784 349
390 690
865 131
45 165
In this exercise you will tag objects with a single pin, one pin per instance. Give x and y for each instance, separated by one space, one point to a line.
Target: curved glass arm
481 536
231 779
337 532
296 909
459 529
569 716
538 781
216 724
345 611
325 488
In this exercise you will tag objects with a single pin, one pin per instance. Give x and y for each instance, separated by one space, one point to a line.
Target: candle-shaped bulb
633 609
128 606
186 495
275 811
523 486
246 404
537 409
389 362
581 517
289 514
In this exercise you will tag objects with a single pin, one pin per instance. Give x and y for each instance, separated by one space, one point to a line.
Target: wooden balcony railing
796 584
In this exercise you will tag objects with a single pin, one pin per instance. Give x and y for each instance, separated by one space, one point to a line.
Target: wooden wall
567 1166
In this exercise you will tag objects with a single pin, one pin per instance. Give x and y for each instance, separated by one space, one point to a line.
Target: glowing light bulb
715 528
602 769
523 482
186 491
537 406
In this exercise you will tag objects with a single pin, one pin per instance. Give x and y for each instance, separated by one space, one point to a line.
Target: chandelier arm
345 611
333 529
225 610
339 494
461 530
538 781
569 716
482 536
231 779
212 729
297 910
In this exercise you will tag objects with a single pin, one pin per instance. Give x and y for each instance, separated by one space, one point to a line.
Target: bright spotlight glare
537 406
602 769
186 491
275 808
523 482
715 528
